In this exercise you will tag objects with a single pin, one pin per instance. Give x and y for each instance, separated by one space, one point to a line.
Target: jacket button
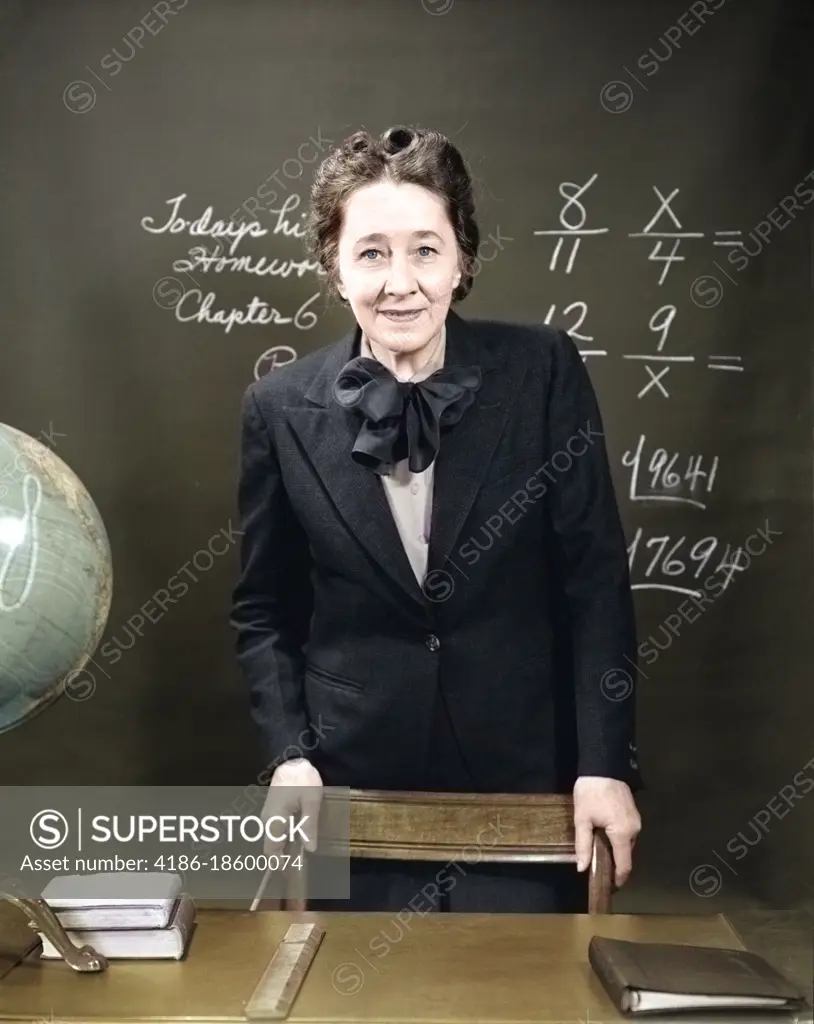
433 642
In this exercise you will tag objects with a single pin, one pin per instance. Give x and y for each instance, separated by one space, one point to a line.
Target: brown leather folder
660 977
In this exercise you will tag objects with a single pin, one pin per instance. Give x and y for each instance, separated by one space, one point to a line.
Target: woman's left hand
608 804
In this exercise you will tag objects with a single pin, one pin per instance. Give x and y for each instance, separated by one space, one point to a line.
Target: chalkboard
644 180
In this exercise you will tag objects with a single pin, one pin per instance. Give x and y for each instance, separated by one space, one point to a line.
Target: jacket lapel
327 433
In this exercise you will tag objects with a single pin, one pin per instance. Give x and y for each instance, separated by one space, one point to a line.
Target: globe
56 577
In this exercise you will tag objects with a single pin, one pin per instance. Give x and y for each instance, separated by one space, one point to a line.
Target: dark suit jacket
525 618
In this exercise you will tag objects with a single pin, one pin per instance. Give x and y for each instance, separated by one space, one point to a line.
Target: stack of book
158 925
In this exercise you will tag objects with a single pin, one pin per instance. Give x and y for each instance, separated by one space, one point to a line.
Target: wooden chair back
520 828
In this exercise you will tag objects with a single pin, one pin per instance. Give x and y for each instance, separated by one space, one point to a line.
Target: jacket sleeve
591 552
272 600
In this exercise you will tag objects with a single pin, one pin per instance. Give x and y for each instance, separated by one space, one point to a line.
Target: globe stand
16 944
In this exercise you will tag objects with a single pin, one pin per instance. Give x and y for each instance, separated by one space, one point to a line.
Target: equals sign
725 363
728 241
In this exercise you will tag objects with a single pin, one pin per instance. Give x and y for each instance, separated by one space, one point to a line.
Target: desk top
370 968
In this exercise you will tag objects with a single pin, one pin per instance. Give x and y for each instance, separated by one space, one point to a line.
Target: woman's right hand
295 792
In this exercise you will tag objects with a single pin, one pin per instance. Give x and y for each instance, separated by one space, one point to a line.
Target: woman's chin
401 338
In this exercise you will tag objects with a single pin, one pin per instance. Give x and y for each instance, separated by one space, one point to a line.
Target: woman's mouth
401 316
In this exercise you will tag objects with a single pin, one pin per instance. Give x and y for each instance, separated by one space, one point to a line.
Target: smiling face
398 264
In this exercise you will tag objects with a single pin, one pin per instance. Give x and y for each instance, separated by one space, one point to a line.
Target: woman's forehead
394 193
394 211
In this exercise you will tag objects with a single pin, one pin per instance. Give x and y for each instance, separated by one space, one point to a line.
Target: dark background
99 133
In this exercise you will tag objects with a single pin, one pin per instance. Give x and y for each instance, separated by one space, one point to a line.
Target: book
86 901
658 977
170 943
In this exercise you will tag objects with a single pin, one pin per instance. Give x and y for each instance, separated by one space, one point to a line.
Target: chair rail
408 825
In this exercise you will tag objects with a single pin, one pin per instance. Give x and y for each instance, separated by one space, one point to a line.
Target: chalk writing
671 559
202 226
258 312
666 475
660 323
273 358
675 236
196 305
658 560
573 225
259 266
573 329
728 241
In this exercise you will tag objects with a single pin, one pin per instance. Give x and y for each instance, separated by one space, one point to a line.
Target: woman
434 588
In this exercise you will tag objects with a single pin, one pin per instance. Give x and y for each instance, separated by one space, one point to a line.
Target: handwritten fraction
667 232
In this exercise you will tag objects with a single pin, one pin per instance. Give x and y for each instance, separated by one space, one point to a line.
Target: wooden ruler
280 984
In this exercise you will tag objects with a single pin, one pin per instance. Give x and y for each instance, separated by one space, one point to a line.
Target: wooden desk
370 968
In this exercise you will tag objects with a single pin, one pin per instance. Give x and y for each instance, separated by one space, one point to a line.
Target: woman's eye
366 251
428 248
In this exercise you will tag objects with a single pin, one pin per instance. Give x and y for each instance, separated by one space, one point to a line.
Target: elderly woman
434 589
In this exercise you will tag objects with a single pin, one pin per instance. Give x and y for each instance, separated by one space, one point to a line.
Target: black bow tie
402 419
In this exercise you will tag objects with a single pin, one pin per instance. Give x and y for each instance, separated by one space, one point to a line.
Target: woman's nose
400 278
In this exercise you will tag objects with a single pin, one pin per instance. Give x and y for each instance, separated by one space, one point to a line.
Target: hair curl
401 155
